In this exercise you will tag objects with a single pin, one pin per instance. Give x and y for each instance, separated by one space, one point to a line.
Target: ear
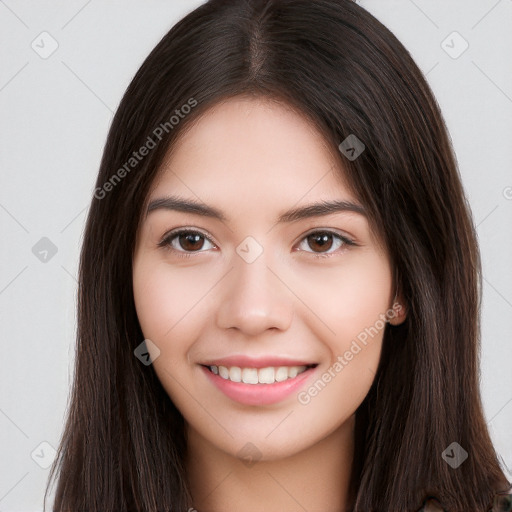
397 313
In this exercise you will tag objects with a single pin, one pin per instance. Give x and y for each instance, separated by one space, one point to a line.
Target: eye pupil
323 240
189 241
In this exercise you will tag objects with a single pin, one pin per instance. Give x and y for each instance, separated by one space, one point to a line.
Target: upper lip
256 362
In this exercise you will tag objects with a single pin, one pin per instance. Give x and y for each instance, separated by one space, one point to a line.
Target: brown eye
186 241
321 242
190 241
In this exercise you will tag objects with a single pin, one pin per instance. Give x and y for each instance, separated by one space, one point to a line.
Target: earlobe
398 312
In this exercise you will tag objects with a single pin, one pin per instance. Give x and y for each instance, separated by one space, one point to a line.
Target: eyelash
169 237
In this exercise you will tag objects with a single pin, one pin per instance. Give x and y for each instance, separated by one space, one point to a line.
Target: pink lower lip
258 394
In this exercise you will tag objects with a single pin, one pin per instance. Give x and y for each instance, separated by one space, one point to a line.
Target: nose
254 299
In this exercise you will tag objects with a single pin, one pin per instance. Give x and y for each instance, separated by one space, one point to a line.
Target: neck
316 478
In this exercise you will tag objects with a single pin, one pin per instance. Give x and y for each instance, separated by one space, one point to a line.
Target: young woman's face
267 313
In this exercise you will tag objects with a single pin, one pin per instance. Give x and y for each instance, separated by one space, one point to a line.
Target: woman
279 281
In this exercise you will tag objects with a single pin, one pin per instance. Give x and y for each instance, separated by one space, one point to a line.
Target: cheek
168 301
348 298
351 301
168 305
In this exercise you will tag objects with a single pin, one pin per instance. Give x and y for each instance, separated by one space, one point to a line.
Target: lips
257 381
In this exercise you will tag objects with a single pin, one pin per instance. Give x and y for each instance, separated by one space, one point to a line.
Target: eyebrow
303 212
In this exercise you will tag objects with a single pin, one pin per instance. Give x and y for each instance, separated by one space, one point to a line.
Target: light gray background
54 117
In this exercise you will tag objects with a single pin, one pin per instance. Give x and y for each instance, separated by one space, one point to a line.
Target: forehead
255 147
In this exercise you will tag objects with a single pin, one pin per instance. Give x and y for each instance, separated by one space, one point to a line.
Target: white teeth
268 375
250 375
235 374
281 374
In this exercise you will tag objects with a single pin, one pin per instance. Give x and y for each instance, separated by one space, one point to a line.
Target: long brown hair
123 445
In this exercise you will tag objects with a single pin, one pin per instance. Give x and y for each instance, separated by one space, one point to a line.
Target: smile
258 386
268 375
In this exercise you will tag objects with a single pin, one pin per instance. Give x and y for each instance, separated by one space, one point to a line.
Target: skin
253 159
